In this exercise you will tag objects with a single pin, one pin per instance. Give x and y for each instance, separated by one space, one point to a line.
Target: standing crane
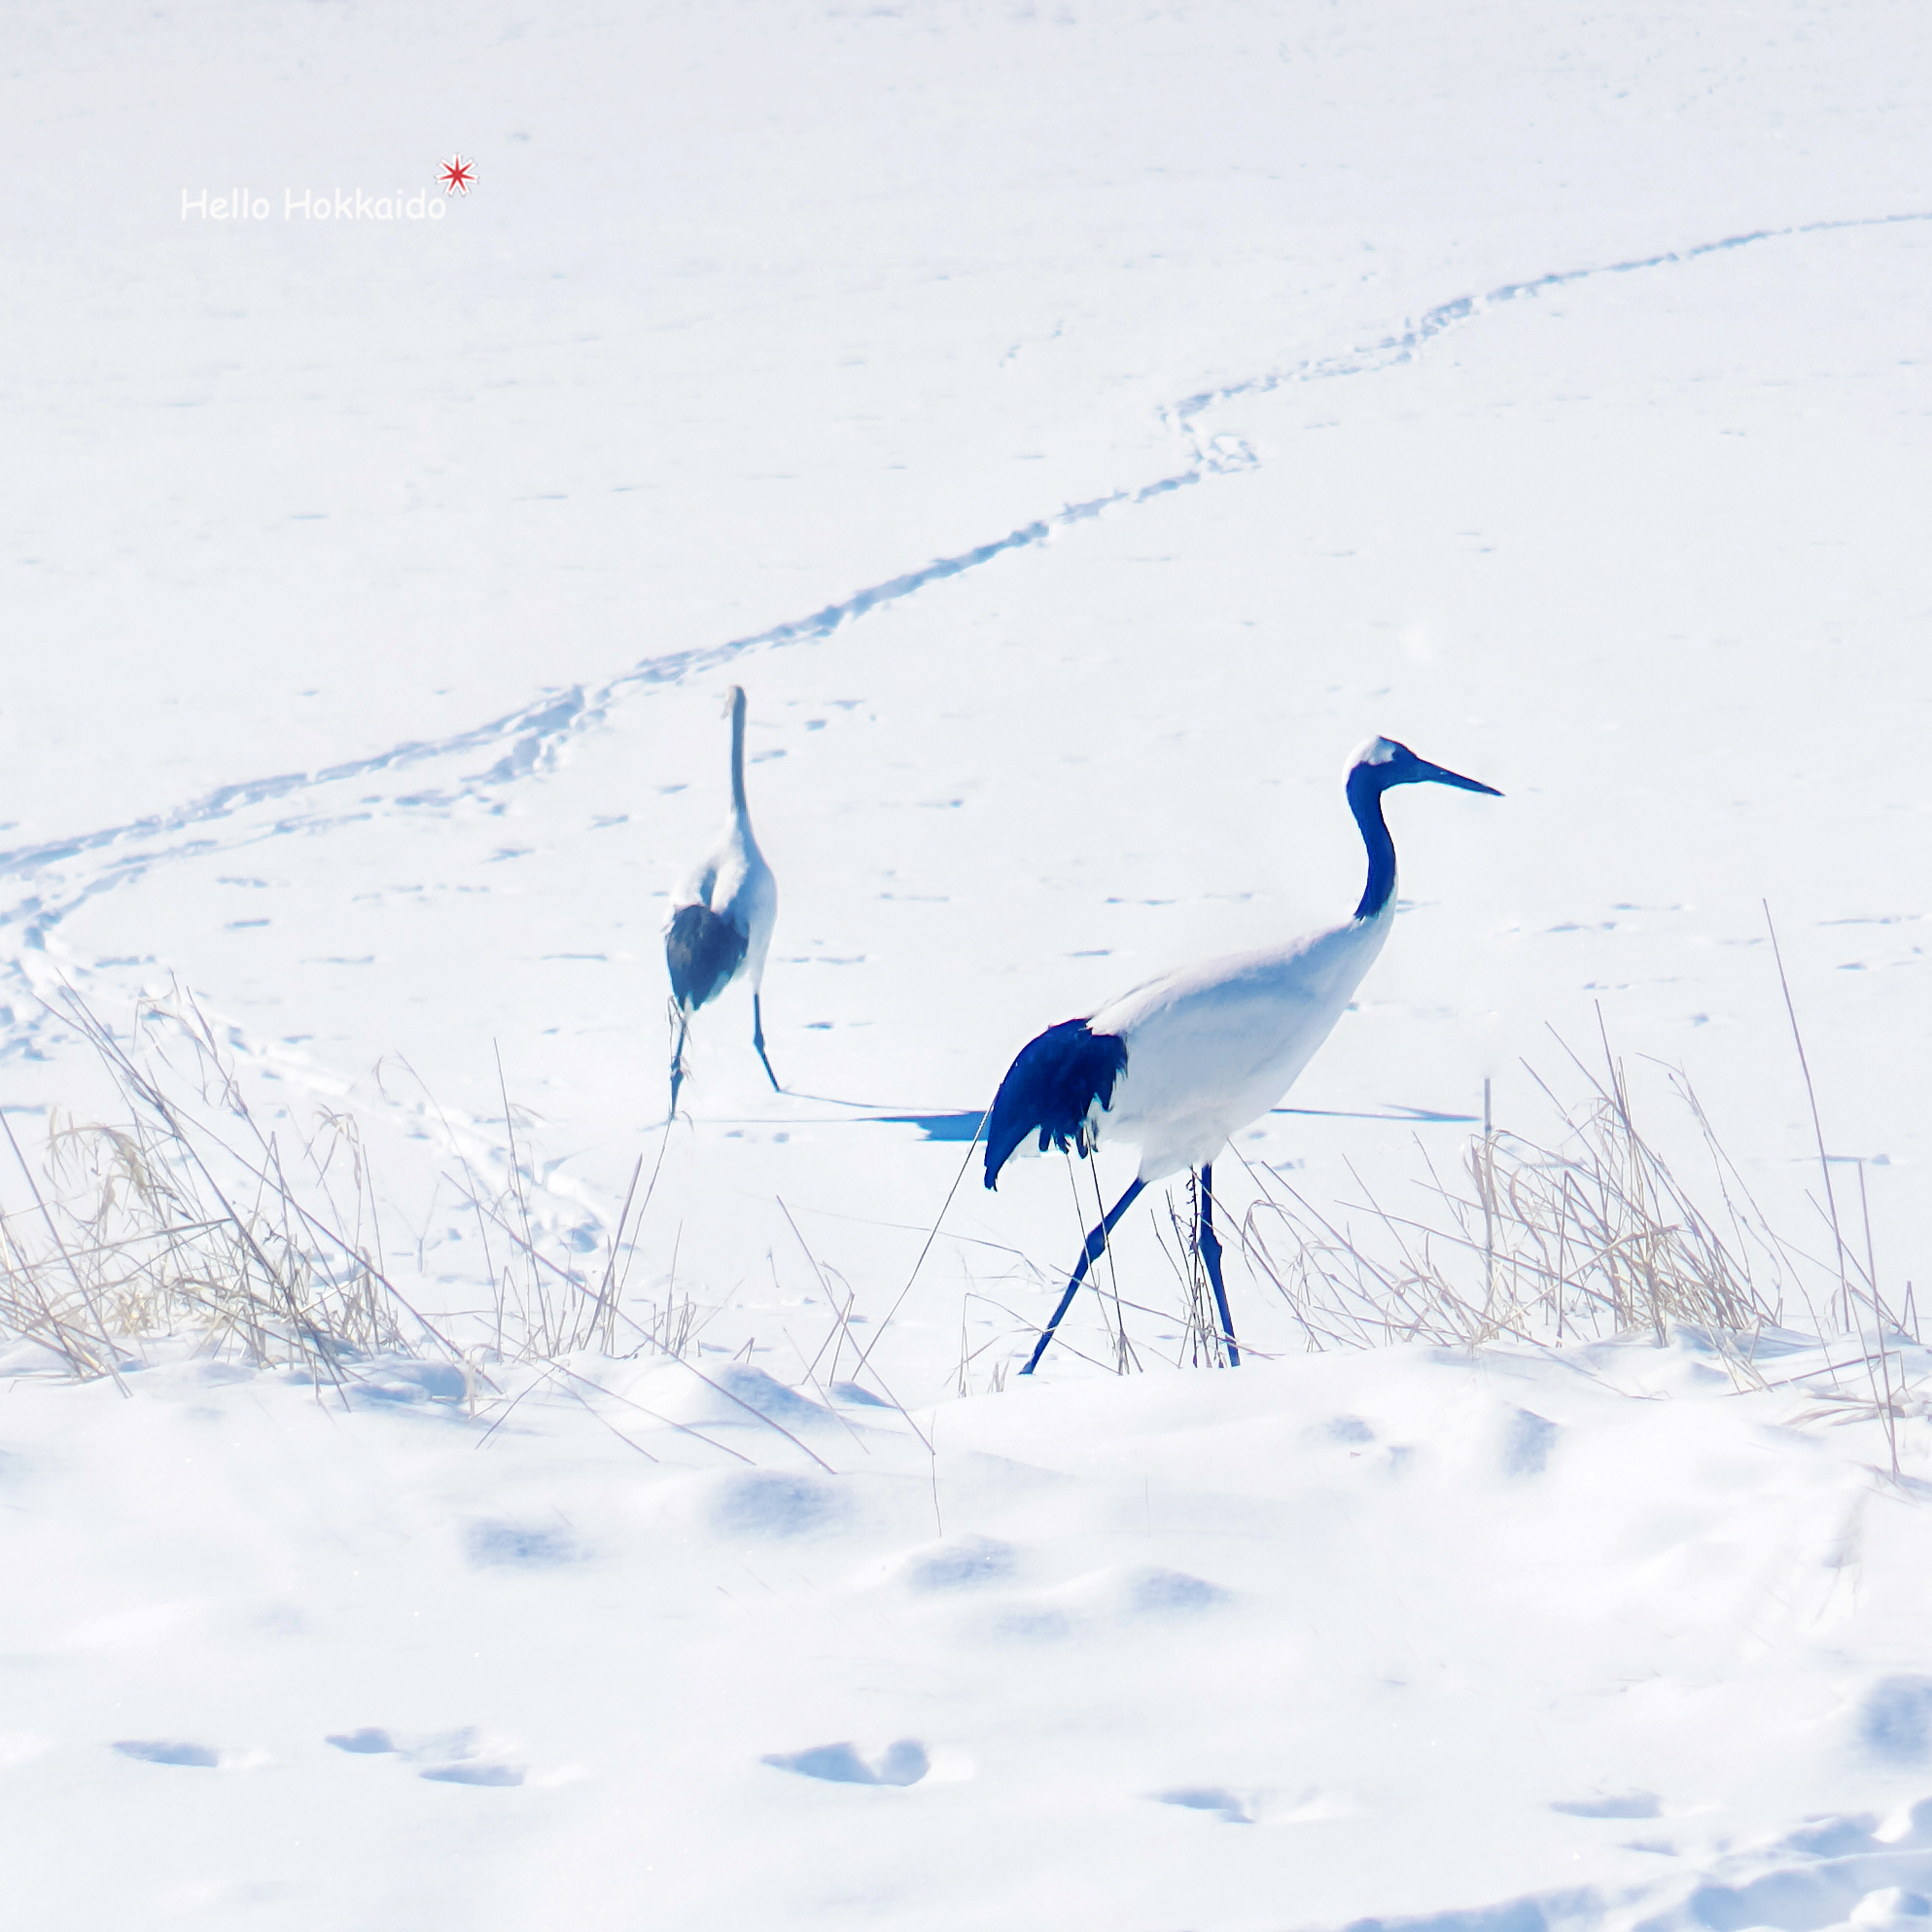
720 923
1178 1064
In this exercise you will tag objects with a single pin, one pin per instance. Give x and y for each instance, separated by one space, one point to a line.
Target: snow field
1077 433
1420 1626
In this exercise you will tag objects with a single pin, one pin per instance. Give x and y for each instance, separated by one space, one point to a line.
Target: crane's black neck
1365 789
738 757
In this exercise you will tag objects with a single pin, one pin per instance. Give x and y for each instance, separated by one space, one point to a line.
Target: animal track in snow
1850 1873
474 1773
527 741
1167 1592
448 1757
1896 1721
512 1546
766 1504
367 1741
164 1751
1631 1805
970 1563
902 1763
1034 1626
1109 1597
1224 1804
1528 1443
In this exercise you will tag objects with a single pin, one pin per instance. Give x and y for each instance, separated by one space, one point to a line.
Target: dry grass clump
193 1222
189 1216
1584 1235
192 1219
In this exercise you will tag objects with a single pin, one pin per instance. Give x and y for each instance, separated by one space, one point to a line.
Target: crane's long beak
1438 775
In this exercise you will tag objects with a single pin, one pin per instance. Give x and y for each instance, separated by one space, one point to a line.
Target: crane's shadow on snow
960 1127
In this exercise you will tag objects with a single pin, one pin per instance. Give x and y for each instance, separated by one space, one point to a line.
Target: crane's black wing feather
703 950
1051 1087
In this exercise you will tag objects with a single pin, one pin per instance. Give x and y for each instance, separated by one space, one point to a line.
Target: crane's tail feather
703 950
1054 1087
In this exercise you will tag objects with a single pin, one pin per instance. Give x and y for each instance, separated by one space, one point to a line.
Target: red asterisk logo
458 173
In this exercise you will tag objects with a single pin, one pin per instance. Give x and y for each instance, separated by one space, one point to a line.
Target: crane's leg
1209 1245
759 1041
1095 1242
684 1020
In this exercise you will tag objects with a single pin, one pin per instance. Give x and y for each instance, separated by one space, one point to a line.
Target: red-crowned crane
1178 1064
721 921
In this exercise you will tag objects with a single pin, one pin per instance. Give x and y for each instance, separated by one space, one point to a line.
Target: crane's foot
678 1061
758 1041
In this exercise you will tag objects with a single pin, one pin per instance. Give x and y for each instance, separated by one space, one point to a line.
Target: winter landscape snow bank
1076 432
1369 1631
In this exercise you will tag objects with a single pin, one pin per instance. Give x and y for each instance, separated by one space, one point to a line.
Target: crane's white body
1213 1046
1178 1064
734 882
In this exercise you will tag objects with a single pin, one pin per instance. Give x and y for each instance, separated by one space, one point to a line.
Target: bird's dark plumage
1052 1086
703 950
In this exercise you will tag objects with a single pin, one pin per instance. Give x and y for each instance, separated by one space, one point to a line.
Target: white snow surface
1338 1637
1075 427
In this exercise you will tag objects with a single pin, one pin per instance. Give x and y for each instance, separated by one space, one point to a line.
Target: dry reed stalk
1591 1234
186 1218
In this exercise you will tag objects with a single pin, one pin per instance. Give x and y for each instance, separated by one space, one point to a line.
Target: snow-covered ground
1366 1633
1076 432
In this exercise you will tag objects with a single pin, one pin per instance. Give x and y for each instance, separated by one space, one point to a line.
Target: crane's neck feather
1365 789
738 807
